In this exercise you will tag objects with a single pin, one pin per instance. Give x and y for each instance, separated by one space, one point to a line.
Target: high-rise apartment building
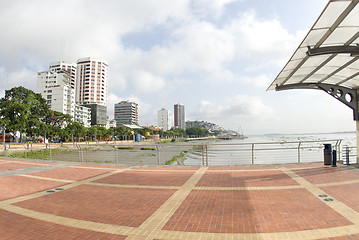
84 83
91 81
55 88
164 119
71 68
179 116
126 113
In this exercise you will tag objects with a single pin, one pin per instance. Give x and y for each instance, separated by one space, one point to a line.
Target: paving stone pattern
42 200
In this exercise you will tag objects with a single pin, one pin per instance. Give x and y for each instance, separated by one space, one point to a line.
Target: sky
216 57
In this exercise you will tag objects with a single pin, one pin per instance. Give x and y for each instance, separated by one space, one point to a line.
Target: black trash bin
334 163
328 154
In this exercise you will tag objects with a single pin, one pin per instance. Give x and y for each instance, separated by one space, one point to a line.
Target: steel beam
346 95
352 50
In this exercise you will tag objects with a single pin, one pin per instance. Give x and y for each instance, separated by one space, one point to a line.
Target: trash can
138 138
328 154
334 163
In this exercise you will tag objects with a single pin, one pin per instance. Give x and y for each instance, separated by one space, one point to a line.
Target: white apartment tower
69 67
164 119
55 88
91 81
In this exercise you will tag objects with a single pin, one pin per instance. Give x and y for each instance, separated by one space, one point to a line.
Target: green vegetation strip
150 149
175 158
125 148
39 154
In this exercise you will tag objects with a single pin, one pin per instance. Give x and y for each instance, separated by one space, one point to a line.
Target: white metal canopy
328 57
132 126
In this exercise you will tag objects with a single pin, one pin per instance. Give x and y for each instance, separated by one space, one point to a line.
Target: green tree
175 132
91 132
58 119
195 131
23 110
118 132
121 131
75 129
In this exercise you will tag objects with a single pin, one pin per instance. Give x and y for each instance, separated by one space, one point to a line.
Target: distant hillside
205 125
211 127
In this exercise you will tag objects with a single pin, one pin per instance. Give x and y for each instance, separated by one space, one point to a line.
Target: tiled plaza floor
39 200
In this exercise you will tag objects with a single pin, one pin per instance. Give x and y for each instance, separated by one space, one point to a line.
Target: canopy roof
328 57
132 126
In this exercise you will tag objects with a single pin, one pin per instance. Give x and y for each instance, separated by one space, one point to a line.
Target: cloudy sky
217 57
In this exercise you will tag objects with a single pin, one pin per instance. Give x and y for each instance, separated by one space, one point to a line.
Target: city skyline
216 57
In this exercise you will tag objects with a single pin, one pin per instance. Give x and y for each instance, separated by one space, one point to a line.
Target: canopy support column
357 127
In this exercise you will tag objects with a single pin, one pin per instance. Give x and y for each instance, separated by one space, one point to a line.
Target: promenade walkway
57 200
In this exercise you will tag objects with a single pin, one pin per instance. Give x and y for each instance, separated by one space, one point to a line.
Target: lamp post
3 135
72 137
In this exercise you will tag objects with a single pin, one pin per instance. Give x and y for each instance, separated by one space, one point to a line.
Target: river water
269 149
272 149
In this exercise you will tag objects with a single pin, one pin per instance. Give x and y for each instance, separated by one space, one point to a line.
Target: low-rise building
111 123
83 115
98 114
126 113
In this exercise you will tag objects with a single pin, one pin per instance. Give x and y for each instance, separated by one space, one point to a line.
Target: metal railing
264 153
349 155
204 153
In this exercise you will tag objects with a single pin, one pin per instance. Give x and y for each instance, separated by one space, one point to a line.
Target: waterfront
268 149
272 149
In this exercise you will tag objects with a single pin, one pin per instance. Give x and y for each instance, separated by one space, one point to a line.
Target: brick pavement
306 201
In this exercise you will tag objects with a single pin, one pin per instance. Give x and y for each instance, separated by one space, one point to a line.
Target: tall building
179 116
126 113
71 68
164 119
84 83
91 81
55 88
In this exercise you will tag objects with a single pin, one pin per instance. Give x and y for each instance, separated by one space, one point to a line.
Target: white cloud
262 39
203 46
257 81
236 111
146 82
204 8
22 77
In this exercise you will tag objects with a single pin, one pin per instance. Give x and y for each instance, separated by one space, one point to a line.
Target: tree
175 132
195 131
58 119
91 132
75 129
23 110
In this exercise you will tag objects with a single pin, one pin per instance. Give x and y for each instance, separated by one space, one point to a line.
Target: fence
205 153
349 155
261 153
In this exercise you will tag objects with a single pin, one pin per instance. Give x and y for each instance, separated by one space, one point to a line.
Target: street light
3 135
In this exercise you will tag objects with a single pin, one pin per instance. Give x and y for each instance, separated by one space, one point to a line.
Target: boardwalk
42 200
